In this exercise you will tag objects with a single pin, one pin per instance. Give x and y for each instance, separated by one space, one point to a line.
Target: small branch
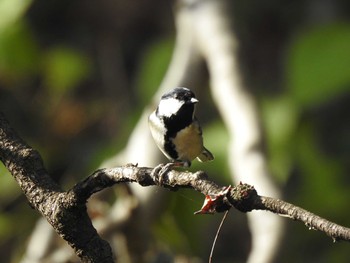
243 196
315 222
173 180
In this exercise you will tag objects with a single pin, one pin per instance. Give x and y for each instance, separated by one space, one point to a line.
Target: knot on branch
243 197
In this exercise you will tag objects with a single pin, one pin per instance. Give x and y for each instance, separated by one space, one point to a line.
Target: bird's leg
159 171
162 169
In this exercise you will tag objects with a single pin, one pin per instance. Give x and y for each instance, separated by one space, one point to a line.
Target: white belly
189 143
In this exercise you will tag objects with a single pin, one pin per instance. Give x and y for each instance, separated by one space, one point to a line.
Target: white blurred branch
218 44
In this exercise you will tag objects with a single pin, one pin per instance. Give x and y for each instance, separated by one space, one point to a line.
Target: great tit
176 130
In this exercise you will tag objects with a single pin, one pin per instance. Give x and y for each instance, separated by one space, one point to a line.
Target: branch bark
243 197
66 210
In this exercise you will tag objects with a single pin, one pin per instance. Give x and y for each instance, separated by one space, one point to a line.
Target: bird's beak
194 100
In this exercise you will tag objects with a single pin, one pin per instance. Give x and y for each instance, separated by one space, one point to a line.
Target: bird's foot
158 173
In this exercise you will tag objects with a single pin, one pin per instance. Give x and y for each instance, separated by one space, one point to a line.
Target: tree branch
66 211
243 196
63 210
315 222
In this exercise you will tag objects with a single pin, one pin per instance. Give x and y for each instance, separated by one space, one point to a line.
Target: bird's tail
205 156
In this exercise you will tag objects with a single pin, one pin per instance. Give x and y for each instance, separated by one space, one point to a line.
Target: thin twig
216 236
242 196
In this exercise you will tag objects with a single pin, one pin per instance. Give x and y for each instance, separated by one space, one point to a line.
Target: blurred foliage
319 63
322 173
151 74
11 188
280 116
18 53
74 78
11 11
64 69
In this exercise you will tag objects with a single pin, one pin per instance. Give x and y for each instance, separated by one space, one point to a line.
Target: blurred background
76 75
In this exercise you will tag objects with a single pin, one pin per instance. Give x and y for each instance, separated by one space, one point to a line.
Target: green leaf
11 11
9 189
6 226
19 56
280 116
321 176
319 64
153 67
64 68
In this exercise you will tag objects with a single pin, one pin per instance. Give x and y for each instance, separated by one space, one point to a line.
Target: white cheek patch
168 107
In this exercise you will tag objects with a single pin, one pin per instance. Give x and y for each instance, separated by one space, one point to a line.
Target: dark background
75 76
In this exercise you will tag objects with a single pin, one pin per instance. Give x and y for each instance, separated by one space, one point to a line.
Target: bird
176 130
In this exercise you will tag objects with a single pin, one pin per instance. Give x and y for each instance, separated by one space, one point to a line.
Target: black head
181 94
178 102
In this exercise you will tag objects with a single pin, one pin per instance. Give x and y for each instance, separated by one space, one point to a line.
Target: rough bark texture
63 210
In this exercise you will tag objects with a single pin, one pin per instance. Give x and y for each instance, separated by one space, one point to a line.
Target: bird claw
158 173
